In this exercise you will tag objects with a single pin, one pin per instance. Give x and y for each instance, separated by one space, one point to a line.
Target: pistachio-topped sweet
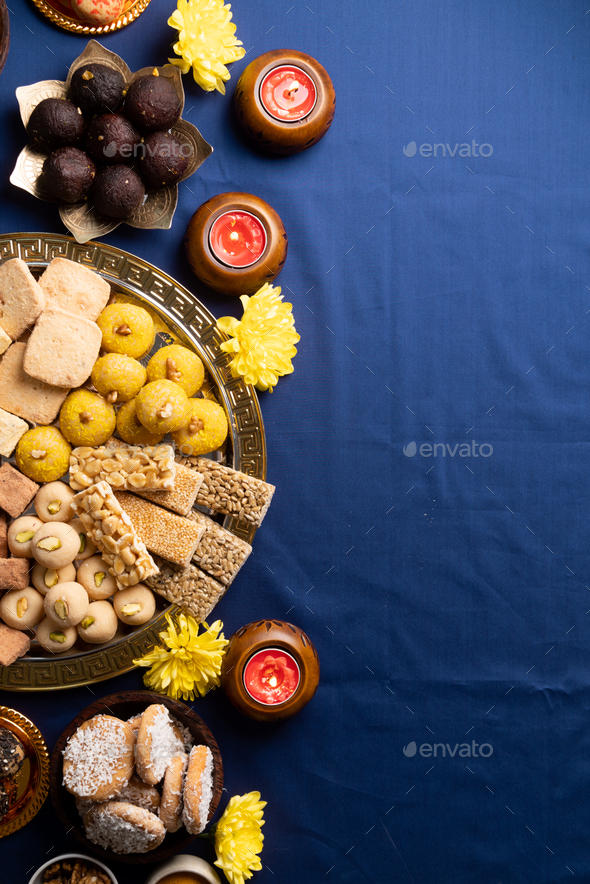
55 545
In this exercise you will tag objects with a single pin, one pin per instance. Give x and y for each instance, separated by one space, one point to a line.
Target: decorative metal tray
192 324
62 14
32 780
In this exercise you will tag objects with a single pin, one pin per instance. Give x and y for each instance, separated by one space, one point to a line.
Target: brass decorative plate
32 780
194 326
61 13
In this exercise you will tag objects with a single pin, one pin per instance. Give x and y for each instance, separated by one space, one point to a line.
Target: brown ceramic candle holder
276 635
278 136
214 272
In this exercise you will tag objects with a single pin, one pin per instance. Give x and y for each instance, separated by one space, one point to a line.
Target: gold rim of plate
34 774
76 26
196 327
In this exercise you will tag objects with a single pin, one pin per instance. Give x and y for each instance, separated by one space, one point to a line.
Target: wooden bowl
125 705
255 637
235 280
4 33
274 135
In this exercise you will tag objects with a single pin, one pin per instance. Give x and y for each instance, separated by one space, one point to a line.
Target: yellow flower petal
238 839
206 41
262 340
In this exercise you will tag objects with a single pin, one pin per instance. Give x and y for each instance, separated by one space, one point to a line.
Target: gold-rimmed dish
189 322
31 783
62 14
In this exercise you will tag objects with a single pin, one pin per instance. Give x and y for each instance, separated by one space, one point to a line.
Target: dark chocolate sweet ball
111 138
68 174
55 122
97 89
152 103
118 192
163 159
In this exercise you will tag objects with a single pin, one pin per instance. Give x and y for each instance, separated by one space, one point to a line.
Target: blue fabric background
439 300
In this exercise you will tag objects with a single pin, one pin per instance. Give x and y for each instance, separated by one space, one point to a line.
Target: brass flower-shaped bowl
81 219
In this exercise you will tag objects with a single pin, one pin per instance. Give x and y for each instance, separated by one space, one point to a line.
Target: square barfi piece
14 574
11 429
13 644
62 349
26 396
5 341
3 537
74 288
16 491
21 298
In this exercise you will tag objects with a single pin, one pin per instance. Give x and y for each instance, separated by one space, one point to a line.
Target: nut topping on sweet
21 606
123 330
172 372
112 396
61 609
195 426
49 543
166 410
85 417
38 453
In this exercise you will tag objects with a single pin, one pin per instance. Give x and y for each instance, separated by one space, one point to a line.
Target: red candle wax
271 676
287 93
237 238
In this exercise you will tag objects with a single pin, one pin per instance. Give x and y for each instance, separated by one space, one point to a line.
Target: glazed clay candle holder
285 101
270 670
235 242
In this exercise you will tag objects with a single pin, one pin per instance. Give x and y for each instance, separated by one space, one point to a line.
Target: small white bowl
89 860
184 862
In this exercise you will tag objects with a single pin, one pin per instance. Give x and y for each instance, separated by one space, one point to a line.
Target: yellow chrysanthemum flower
262 345
238 839
206 41
190 664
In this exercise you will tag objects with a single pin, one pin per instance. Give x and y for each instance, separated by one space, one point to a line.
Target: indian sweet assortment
106 497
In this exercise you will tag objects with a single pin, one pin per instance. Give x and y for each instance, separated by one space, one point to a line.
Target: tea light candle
237 238
271 676
285 101
270 670
235 242
288 93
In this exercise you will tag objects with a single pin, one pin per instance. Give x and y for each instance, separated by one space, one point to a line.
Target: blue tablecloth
429 531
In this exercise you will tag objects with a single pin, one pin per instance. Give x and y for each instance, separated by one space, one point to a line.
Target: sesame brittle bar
172 537
229 491
151 468
112 531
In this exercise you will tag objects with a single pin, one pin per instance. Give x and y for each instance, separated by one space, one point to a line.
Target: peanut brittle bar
130 467
112 531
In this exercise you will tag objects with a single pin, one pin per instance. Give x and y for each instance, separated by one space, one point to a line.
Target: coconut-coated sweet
66 604
43 454
117 377
130 430
178 364
53 502
162 406
204 430
20 535
127 329
86 418
55 545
